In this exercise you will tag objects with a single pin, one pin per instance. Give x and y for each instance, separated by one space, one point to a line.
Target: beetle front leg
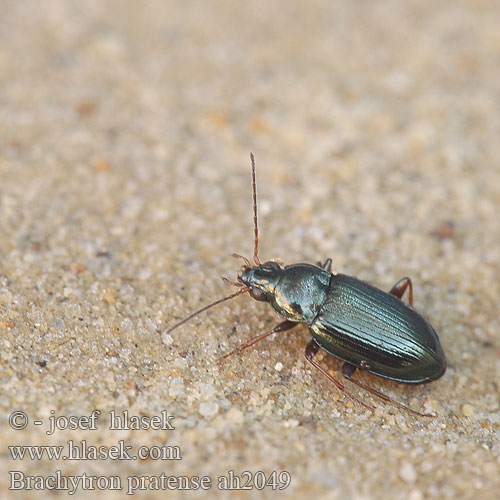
311 350
400 287
348 370
281 327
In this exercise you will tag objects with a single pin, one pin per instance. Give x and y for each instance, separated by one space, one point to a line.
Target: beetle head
262 279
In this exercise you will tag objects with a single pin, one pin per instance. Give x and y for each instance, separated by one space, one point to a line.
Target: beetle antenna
185 320
245 260
255 225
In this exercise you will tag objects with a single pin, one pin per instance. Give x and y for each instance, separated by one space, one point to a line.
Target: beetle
365 327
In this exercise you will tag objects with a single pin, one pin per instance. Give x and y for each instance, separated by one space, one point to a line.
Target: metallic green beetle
350 319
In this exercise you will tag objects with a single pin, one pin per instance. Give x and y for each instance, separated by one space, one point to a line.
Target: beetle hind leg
348 370
310 352
400 288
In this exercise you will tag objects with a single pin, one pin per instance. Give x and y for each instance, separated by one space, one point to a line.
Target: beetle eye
257 294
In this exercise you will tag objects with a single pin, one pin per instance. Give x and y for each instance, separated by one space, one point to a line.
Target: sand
125 133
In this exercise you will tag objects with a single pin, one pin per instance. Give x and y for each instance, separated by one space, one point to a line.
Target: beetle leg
281 327
348 370
311 350
400 287
327 266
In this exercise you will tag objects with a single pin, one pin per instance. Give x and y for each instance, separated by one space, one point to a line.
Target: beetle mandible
365 327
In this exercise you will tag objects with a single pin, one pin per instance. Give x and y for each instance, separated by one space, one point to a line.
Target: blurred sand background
125 132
